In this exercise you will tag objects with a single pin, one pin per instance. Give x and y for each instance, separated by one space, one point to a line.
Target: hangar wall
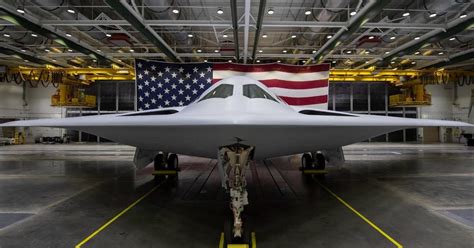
37 104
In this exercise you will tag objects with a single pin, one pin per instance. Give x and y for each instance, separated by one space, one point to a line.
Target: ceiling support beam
246 29
453 59
31 23
261 13
235 27
364 15
10 50
129 14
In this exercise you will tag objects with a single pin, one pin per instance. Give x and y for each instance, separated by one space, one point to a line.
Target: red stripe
271 67
295 85
305 100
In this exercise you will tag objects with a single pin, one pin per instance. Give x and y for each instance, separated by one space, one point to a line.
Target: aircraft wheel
320 161
159 164
172 162
306 162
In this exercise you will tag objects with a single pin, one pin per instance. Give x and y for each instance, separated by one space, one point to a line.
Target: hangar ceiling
402 34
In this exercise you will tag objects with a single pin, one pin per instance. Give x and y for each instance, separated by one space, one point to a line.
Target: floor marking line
398 245
100 229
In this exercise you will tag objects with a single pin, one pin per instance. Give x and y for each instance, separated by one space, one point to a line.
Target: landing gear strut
233 164
166 167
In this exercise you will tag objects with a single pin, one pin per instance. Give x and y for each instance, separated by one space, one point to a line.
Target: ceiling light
108 35
329 36
23 50
119 60
258 61
433 15
393 38
176 11
205 60
6 35
463 16
406 14
452 38
71 11
20 10
225 36
131 50
216 51
413 62
34 35
293 36
314 51
220 11
349 51
307 12
199 50
260 51
278 61
304 61
53 60
98 50
395 69
230 61
334 61
94 60
47 50
264 36
190 35
393 62
270 11
366 62
68 35
26 60
417 53
353 13
367 52
371 37
387 52
440 53
69 50
284 51
417 38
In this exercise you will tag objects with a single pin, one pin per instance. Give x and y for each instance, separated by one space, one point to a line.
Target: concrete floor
57 195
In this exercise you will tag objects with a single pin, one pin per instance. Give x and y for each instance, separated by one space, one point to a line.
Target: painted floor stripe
398 245
100 229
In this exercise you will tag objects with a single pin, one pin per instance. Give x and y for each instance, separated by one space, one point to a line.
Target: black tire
158 162
172 162
306 162
320 161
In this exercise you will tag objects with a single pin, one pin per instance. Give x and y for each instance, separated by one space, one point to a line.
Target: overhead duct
49 32
371 9
261 13
127 12
235 27
453 59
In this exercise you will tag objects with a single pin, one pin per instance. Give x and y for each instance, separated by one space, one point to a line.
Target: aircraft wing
272 135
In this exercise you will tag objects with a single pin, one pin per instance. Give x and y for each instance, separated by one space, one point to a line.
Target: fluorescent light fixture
53 60
307 12
230 61
225 36
353 13
270 11
393 62
314 51
94 60
278 61
20 10
293 36
98 50
6 35
23 50
284 51
334 61
220 11
34 35
418 52
176 11
329 36
413 62
260 51
387 52
264 36
71 11
393 38
349 51
205 60
417 38
216 51
433 15
304 61
366 62
258 61
69 50
199 50
440 53
131 50
463 16
371 37
367 52
406 14
190 35
452 38
26 60
68 35
108 35
47 50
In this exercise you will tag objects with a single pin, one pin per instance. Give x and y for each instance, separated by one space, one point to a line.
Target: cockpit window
253 91
221 91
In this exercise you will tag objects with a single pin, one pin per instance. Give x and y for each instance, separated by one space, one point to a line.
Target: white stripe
288 76
301 92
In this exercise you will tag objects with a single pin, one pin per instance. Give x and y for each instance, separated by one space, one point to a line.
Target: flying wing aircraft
236 120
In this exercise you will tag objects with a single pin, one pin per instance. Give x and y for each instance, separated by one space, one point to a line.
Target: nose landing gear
166 167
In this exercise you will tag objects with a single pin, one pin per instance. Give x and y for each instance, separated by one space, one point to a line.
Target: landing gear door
334 156
143 157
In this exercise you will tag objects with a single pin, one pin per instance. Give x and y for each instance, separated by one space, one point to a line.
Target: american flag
161 84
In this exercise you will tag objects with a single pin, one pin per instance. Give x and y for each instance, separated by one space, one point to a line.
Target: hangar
173 123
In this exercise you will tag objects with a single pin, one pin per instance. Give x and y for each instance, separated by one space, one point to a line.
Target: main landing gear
233 164
313 163
166 167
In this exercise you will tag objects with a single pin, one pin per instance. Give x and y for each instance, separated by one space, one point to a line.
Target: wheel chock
253 242
164 172
315 171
